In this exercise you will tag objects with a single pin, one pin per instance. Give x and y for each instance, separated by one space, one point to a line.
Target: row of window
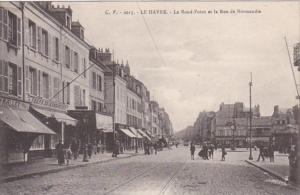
10 78
97 106
134 105
96 81
41 84
10 27
133 121
41 40
121 94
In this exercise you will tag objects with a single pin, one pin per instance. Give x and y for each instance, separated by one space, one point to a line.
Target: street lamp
250 117
233 127
85 159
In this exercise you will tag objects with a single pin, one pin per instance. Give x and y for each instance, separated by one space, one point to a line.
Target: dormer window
68 21
81 33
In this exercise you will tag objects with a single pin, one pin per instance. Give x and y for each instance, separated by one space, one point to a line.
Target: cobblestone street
169 172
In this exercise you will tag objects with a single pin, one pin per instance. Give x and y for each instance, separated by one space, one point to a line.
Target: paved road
169 172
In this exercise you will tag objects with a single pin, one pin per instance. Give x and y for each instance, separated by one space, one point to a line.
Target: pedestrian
192 149
60 152
211 151
271 152
261 153
151 148
155 148
223 153
74 148
90 150
68 154
116 149
205 151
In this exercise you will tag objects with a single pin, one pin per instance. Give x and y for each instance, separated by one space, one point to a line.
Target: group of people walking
266 152
67 152
207 151
151 147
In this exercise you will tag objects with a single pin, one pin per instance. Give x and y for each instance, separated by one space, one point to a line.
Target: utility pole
114 106
250 117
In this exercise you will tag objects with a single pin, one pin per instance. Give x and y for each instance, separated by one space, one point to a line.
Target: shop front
52 114
139 142
18 130
126 137
94 128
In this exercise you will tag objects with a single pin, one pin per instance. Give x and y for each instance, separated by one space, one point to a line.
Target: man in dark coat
60 152
261 153
116 149
271 152
192 149
74 148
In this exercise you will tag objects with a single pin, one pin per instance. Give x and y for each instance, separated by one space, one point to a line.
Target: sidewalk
49 165
279 169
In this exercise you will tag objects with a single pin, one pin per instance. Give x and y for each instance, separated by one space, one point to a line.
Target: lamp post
85 159
250 117
233 127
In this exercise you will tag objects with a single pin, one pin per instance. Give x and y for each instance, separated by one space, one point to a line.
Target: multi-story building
283 128
16 122
56 57
231 123
146 117
204 126
115 97
155 124
166 124
99 122
134 109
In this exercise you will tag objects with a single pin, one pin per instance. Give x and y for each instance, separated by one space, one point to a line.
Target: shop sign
48 103
13 103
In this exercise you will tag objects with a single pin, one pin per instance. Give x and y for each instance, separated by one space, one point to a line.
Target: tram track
165 186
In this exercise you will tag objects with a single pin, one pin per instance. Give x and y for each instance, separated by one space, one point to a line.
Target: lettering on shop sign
13 103
48 103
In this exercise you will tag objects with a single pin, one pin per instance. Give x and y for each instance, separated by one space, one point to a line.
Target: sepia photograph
150 97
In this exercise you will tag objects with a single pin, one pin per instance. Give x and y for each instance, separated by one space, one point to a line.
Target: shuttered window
84 67
19 81
46 85
5 24
32 81
3 76
18 32
67 56
94 80
1 22
77 95
75 61
99 82
56 82
32 34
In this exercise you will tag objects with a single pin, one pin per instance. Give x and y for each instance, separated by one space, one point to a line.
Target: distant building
284 128
231 123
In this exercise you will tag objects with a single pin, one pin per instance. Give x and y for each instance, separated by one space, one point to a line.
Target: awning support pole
63 132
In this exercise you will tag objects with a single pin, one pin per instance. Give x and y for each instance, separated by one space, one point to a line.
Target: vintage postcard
149 97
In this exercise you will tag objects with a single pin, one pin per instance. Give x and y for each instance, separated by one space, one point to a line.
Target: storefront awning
144 134
61 117
104 123
135 132
107 130
128 133
23 121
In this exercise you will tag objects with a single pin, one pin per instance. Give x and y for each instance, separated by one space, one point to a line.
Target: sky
194 62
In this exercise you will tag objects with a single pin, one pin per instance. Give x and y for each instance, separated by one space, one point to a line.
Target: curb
268 171
41 173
